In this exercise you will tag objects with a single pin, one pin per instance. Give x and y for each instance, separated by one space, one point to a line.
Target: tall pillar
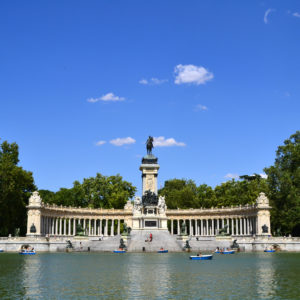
112 227
119 221
212 226
232 227
69 226
196 227
105 228
201 227
178 227
56 226
218 225
89 232
241 226
74 226
65 226
95 226
190 229
172 232
100 231
60 226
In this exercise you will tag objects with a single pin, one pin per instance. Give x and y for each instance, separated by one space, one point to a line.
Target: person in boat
217 249
199 254
161 249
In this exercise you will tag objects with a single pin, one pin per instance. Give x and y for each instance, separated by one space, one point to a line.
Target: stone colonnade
66 226
61 220
195 226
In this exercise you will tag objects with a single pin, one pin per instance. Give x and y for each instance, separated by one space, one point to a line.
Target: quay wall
108 244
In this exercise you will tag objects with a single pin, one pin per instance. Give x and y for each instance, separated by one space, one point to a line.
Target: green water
149 276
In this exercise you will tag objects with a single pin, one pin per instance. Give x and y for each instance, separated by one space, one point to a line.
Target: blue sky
84 83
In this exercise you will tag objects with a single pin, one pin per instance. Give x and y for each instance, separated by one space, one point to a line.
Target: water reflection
265 275
149 276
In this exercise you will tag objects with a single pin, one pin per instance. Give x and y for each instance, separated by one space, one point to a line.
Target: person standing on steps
150 237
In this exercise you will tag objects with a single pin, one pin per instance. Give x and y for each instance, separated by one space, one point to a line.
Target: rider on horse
149 144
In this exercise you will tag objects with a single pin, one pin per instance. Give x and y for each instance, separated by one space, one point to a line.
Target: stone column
245 227
190 227
89 232
100 230
65 226
105 228
178 227
232 227
112 227
69 226
172 232
241 226
196 227
74 226
201 227
119 221
56 226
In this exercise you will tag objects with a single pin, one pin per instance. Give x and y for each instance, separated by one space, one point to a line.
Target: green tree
95 192
179 193
16 185
284 184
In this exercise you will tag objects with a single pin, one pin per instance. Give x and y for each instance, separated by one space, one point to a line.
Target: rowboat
271 250
202 257
228 252
27 252
162 251
119 251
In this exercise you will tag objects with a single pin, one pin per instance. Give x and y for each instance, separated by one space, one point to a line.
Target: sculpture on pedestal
149 145
161 205
150 198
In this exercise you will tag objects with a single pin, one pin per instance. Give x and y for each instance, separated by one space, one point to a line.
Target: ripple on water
149 276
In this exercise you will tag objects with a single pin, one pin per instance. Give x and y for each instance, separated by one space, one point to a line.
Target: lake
149 276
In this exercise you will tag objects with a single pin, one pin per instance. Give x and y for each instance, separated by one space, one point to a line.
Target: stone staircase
161 238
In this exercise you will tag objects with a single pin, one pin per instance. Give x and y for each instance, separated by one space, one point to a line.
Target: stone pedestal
34 215
149 212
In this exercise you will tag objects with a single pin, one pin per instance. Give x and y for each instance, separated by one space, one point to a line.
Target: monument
149 211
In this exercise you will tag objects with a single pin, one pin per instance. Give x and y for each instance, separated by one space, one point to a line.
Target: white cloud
231 176
162 142
192 74
100 143
296 14
106 97
122 141
152 81
268 11
263 175
143 81
201 107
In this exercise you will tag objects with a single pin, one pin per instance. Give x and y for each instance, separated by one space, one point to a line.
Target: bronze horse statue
149 145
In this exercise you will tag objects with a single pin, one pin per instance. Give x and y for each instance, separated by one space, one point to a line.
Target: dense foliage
16 185
181 193
95 192
284 185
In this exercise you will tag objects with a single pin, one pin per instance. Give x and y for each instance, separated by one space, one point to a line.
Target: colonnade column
172 228
112 227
